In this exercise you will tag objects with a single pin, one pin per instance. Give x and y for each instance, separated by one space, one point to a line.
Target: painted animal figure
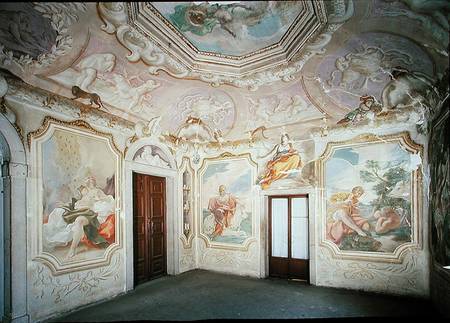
253 133
93 97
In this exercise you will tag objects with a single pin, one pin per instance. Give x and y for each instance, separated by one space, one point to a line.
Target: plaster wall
411 276
49 294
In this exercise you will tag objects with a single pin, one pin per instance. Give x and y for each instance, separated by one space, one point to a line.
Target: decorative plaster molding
392 277
230 260
133 148
48 121
62 16
35 140
3 86
26 94
142 48
396 256
187 258
84 283
254 167
186 167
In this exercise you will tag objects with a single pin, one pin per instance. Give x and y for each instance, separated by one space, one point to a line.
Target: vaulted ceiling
290 65
235 38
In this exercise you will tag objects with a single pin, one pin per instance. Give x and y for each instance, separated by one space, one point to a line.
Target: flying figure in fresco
201 19
368 105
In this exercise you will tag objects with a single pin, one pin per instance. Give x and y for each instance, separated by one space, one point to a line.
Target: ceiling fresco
386 52
211 39
364 66
25 31
214 107
231 28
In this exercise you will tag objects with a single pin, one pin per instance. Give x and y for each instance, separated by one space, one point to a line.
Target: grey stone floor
202 295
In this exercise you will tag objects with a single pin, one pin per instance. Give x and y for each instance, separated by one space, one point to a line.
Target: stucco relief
392 69
151 155
84 284
213 107
93 66
432 15
280 110
187 258
142 48
98 73
77 202
405 278
55 294
186 175
365 65
26 95
371 199
24 47
242 262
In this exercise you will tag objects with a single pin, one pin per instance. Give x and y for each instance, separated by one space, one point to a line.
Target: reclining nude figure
83 217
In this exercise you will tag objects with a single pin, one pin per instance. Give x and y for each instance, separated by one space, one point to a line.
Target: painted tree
386 176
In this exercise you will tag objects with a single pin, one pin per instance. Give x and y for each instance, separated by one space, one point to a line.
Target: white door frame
15 216
172 218
264 206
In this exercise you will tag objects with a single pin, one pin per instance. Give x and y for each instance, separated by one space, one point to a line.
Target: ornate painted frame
186 167
216 160
35 141
396 256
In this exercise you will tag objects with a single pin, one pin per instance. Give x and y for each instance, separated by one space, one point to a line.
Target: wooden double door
149 222
289 241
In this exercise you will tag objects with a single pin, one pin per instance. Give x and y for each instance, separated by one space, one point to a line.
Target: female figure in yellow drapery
286 159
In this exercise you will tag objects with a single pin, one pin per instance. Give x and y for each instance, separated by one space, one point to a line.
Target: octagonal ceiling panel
231 28
233 38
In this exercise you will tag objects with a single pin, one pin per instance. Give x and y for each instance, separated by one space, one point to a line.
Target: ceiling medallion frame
145 18
115 17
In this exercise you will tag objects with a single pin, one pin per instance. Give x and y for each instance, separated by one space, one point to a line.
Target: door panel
149 224
299 228
280 227
288 231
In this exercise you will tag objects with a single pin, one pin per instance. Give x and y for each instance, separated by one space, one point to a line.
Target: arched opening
4 230
138 160
13 226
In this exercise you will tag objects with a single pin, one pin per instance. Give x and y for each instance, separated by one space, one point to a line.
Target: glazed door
149 227
288 232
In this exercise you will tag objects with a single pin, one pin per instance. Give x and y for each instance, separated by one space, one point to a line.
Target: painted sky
342 171
231 28
235 175
69 159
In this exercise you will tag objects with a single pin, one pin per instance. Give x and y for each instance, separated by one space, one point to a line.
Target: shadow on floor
204 295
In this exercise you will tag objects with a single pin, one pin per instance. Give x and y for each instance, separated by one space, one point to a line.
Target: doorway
149 223
288 237
2 237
